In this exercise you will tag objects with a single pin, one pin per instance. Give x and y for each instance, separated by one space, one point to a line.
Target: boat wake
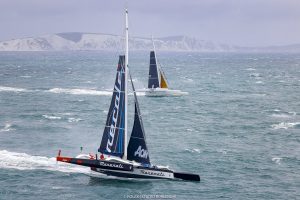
23 161
74 91
80 91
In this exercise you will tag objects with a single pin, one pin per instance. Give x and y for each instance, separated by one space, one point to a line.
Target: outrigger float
116 157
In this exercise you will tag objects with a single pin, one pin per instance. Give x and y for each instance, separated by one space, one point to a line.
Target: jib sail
163 82
153 81
137 149
113 136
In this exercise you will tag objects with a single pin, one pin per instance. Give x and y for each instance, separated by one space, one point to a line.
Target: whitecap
73 119
259 82
196 150
276 160
67 114
23 161
223 151
250 69
193 150
12 89
80 91
7 127
256 75
51 117
26 76
285 125
280 115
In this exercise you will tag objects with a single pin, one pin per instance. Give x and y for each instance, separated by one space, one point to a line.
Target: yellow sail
163 82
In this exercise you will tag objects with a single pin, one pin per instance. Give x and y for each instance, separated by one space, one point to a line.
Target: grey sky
240 22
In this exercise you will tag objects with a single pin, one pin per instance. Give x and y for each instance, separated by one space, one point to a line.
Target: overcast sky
239 22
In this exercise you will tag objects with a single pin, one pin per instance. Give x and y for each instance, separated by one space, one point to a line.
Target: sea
238 127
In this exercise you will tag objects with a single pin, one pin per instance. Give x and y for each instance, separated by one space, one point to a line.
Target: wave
23 161
193 150
73 119
282 114
259 82
80 91
26 76
7 127
76 91
285 125
250 69
12 89
63 117
277 160
51 117
256 75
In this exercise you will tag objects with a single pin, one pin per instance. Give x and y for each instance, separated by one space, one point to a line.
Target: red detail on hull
63 159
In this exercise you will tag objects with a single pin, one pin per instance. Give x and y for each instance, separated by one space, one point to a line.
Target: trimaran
118 159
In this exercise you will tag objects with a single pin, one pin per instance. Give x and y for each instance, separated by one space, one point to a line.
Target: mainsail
153 81
137 149
113 136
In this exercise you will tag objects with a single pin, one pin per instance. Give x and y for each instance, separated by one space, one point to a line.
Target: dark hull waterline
125 170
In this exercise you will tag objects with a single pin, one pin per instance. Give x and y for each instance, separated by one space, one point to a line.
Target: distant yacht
157 82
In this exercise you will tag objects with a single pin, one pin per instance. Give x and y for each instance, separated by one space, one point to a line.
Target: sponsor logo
142 153
153 173
115 112
114 165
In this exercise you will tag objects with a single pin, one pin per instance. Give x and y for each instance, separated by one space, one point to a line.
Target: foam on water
23 161
12 89
80 91
7 127
26 76
277 160
259 82
62 116
250 69
193 150
51 117
276 113
73 119
285 125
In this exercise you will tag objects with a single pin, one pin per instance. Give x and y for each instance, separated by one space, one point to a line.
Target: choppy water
239 127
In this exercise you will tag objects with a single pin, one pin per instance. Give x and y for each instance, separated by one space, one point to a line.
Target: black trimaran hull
125 170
